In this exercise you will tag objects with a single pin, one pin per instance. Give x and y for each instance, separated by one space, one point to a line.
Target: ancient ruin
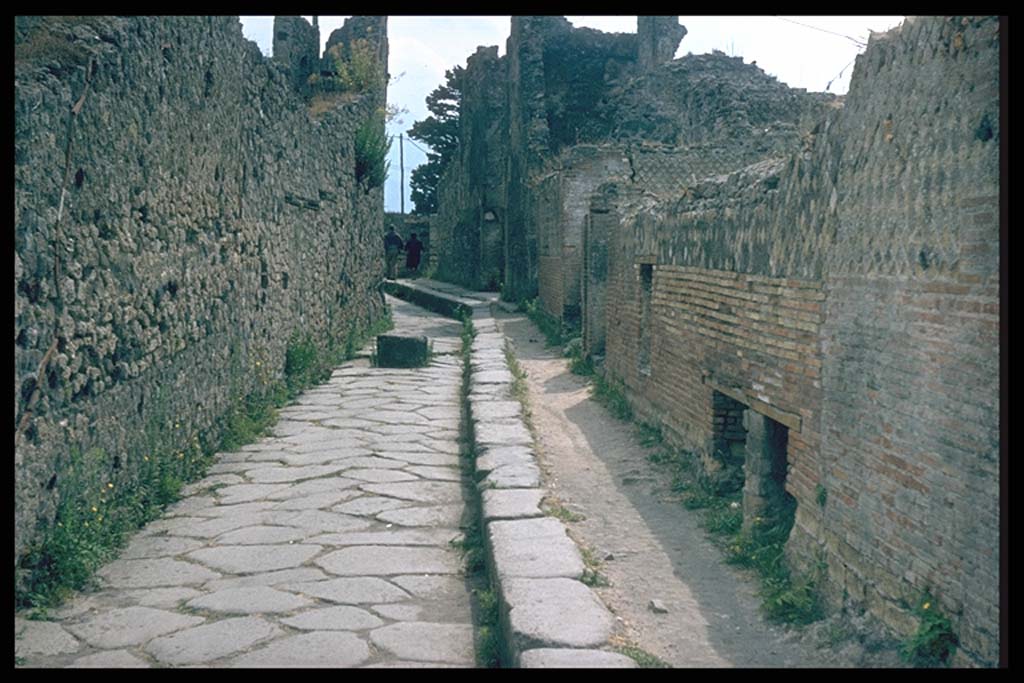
799 291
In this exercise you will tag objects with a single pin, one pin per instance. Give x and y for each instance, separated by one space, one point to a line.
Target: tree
441 132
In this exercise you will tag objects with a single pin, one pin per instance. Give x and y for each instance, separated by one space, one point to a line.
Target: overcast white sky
801 51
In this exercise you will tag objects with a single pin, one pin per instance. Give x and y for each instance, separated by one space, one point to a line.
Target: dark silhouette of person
392 245
413 249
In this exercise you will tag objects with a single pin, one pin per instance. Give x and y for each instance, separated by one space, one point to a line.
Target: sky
812 52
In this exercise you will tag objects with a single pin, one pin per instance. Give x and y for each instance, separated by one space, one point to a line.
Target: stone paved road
324 545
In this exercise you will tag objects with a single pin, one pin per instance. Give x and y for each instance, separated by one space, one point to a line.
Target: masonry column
765 457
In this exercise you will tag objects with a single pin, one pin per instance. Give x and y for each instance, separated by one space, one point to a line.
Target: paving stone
321 521
249 600
293 473
533 548
242 493
110 659
496 410
193 505
130 626
213 641
492 377
210 528
255 535
142 547
330 649
216 480
380 476
427 642
432 515
42 638
317 501
567 658
370 505
152 573
376 560
437 492
246 559
423 455
446 588
536 614
246 511
371 462
280 577
351 591
436 473
340 618
163 597
503 434
399 612
500 504
500 456
313 487
512 477
427 536
222 467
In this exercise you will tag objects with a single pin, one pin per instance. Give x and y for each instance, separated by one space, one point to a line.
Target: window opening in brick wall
729 443
646 292
765 469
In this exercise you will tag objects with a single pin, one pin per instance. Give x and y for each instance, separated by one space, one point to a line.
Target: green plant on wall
935 642
356 69
371 152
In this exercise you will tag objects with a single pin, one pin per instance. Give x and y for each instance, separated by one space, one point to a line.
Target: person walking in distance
392 246
413 249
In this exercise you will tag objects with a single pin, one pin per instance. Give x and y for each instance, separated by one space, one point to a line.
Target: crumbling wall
849 293
208 218
471 193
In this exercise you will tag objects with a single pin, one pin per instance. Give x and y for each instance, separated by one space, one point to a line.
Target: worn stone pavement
327 544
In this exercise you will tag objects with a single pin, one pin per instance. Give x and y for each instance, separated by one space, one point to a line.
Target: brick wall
850 292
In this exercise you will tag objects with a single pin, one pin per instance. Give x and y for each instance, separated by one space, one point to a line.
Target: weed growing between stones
643 659
485 601
555 508
935 642
592 575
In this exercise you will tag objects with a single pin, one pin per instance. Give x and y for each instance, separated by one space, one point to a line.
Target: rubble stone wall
209 217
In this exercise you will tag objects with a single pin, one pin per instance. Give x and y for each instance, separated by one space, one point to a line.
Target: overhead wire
860 43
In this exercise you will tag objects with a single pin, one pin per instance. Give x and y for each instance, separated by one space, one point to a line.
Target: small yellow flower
100 518
95 509
926 605
146 458
109 485
87 524
257 363
177 426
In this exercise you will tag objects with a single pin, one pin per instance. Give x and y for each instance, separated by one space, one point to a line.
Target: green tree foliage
441 132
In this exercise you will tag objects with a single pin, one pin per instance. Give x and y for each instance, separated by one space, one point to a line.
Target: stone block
552 613
394 351
538 548
571 658
501 504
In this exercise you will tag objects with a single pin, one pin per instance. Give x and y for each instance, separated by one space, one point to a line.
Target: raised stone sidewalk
549 617
327 544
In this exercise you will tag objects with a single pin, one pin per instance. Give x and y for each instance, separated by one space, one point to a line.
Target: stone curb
547 616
